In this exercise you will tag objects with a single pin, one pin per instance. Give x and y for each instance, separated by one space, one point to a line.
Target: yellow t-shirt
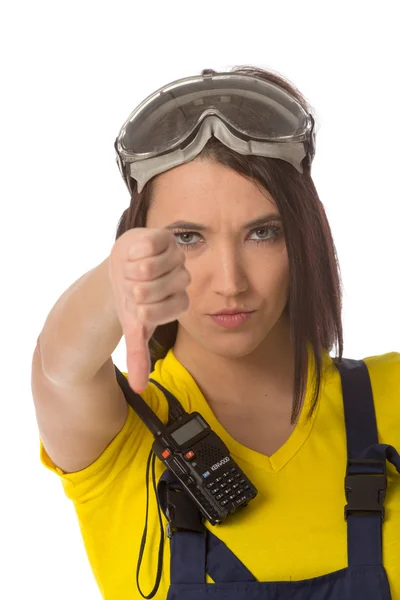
294 529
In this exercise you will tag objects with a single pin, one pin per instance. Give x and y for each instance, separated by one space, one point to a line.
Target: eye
273 227
185 233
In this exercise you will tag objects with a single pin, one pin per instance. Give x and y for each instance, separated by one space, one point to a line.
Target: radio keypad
231 486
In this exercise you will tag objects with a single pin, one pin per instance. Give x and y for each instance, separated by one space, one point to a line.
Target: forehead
203 189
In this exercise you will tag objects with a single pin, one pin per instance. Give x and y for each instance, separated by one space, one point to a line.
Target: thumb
138 356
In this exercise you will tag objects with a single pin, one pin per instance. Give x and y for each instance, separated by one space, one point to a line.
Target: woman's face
232 265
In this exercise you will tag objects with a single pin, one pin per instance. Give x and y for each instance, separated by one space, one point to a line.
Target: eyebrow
199 227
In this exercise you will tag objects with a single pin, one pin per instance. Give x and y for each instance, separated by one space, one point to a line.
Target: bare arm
79 405
82 330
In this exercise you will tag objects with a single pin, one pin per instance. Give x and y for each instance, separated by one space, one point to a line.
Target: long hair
315 289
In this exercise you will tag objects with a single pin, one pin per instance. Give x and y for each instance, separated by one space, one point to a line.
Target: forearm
82 330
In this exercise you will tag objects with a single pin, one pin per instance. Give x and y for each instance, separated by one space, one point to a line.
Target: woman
224 218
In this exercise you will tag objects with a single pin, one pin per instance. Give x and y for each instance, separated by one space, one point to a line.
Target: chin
236 345
230 343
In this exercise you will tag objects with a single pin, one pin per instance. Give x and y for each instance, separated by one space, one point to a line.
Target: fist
149 280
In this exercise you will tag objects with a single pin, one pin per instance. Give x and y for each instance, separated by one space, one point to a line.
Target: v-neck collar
174 374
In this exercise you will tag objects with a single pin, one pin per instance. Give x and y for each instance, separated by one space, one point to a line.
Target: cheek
283 275
271 275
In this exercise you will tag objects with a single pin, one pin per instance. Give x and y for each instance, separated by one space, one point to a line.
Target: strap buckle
182 513
365 492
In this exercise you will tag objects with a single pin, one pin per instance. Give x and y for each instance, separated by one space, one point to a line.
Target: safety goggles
248 114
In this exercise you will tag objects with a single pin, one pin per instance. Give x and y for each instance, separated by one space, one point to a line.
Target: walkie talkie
197 457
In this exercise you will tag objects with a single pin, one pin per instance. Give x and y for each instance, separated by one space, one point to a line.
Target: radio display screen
187 431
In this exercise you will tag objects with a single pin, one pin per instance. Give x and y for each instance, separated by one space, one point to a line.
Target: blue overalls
197 551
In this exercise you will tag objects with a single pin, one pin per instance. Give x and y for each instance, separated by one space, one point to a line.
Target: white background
71 73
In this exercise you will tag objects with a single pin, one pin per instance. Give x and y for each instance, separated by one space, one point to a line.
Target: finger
137 356
166 311
152 267
151 292
150 245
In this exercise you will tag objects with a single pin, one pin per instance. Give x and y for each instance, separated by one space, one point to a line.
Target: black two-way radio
194 453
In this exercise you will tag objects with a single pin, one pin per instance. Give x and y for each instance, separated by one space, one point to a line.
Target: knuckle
146 248
151 245
145 269
132 250
141 249
141 270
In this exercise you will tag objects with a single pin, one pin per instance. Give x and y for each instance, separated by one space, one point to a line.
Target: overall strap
185 530
365 481
195 551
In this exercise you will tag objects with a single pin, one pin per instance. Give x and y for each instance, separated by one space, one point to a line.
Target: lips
229 321
231 312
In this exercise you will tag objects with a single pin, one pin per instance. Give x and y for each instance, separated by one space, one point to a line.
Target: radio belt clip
182 513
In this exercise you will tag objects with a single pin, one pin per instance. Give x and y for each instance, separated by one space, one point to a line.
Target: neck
262 378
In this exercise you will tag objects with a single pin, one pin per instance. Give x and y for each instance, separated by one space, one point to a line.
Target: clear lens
252 107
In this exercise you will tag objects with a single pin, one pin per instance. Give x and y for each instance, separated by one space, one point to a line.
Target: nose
228 272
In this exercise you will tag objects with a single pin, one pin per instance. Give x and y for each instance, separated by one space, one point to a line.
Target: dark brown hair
315 291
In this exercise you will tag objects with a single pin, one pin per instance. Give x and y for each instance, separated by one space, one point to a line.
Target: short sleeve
82 486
